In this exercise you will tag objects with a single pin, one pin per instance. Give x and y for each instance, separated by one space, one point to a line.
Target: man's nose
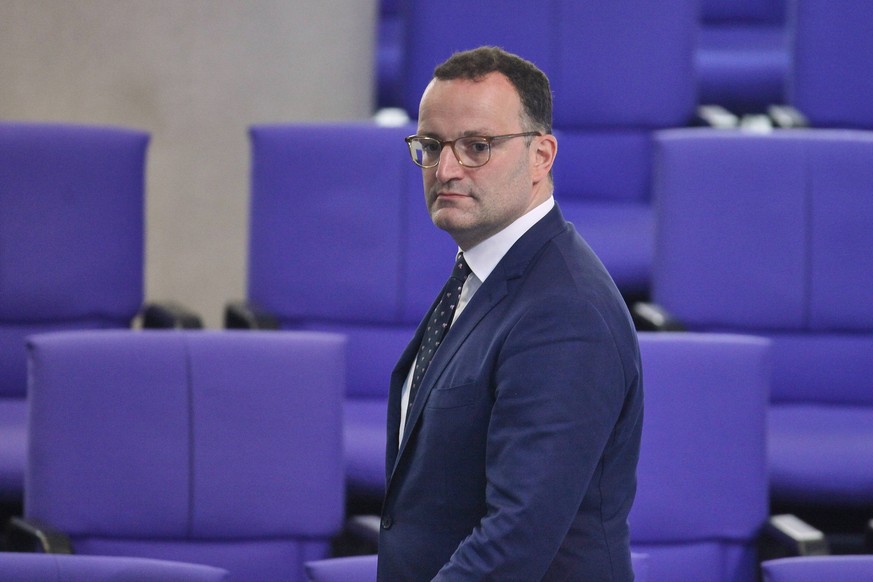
449 167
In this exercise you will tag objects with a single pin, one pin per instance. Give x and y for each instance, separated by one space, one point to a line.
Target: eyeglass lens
470 151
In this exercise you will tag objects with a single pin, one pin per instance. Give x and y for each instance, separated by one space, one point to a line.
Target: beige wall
196 74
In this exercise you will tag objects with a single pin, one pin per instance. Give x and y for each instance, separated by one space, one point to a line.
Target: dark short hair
529 81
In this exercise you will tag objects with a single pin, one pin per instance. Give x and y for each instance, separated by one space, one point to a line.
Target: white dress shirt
482 259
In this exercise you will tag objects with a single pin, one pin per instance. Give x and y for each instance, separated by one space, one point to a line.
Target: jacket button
387 522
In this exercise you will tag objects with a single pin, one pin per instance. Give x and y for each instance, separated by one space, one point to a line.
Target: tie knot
461 269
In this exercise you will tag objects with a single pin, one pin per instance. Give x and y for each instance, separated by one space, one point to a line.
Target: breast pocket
454 396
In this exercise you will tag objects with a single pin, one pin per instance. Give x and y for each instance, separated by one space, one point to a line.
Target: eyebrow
468 133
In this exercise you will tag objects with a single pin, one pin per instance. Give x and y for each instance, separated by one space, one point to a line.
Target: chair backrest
830 81
221 448
702 474
74 568
344 242
842 568
743 54
617 70
770 234
71 234
390 34
608 63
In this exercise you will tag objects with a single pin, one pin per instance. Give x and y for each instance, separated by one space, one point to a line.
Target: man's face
472 204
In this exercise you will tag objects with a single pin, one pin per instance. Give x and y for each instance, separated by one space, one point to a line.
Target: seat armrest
787 117
24 535
169 315
787 535
359 537
717 117
244 315
653 317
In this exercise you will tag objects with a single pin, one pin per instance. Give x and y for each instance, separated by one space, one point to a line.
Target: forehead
460 106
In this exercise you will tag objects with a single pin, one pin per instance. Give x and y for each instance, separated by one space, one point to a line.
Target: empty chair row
225 448
746 54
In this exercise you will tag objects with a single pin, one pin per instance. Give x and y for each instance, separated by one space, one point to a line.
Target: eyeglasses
470 151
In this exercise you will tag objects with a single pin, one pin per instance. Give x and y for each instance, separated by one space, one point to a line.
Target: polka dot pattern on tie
439 323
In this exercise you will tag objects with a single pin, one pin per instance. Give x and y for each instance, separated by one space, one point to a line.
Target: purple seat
363 569
619 70
66 568
390 31
702 477
819 569
743 56
330 250
71 250
770 235
220 448
830 81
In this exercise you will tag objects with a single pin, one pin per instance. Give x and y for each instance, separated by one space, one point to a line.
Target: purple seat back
743 56
608 63
390 36
818 568
830 81
618 70
221 448
702 475
74 568
343 243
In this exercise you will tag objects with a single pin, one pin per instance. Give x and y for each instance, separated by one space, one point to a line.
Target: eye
429 146
476 145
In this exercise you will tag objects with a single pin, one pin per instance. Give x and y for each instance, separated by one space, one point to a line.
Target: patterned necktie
439 323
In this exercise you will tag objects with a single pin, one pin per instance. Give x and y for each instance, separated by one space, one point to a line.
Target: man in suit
512 456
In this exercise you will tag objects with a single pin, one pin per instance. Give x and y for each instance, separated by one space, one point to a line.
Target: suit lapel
492 291
478 307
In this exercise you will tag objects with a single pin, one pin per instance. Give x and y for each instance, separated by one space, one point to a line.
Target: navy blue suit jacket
519 455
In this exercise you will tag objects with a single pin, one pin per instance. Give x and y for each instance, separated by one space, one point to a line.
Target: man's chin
447 219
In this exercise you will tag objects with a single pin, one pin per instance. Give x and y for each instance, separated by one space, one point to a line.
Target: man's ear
544 151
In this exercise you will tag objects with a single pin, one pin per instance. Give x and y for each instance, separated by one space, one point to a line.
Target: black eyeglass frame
451 143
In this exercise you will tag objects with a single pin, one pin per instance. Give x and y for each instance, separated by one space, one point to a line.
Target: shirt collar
483 257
